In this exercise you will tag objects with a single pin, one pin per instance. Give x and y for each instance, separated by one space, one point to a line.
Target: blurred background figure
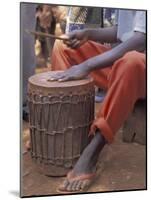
27 50
49 19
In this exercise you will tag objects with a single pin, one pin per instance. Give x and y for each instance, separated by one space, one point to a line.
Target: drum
60 115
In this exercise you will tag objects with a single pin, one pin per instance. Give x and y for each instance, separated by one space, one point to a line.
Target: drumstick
45 35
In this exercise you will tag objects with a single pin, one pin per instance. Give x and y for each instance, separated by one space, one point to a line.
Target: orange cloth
124 82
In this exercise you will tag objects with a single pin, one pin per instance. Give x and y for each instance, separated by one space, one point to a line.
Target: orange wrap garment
124 82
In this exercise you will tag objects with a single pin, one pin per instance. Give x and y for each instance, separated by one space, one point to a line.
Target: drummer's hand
74 73
76 38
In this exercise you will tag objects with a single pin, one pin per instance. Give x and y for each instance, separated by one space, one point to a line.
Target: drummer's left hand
76 72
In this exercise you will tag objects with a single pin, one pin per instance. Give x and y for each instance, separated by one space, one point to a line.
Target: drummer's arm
78 37
136 42
108 34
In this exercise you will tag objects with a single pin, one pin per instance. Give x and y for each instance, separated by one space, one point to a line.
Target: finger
56 76
71 43
81 42
71 36
53 78
67 42
76 44
65 78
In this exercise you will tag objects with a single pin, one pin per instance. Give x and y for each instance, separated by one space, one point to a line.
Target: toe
69 186
74 185
64 185
78 185
85 184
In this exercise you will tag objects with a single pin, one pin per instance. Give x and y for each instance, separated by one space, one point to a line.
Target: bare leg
85 166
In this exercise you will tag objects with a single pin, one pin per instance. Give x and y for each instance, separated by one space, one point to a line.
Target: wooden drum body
60 118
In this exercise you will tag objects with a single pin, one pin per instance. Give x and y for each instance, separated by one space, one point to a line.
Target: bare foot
83 172
76 183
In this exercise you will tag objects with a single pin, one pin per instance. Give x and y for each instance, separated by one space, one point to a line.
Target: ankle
94 148
100 138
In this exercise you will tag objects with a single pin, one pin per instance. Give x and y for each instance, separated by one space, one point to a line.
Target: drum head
42 80
40 84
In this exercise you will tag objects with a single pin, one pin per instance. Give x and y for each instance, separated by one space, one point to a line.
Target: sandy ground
121 166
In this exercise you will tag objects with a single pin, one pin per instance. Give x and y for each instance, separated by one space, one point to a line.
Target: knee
129 69
134 58
131 55
133 64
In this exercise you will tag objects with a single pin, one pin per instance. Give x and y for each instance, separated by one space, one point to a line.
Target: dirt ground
121 166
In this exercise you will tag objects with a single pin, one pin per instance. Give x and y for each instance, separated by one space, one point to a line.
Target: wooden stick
42 34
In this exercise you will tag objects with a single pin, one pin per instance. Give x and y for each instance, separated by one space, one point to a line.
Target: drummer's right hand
76 38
